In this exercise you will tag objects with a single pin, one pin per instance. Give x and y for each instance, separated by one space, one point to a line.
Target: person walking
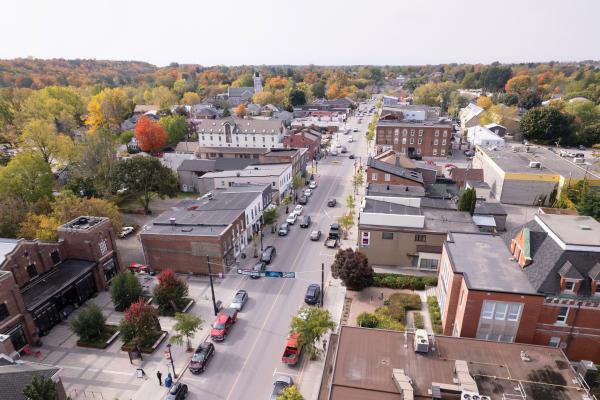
159 376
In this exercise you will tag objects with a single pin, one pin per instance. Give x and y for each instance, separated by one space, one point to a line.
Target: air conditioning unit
468 395
535 164
421 341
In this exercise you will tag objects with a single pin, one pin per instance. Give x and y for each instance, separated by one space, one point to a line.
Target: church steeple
257 82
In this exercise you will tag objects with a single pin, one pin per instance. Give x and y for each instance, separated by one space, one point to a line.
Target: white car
334 152
312 185
338 145
351 139
126 231
298 210
291 219
308 192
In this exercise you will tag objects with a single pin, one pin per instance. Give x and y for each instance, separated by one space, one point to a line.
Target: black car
351 156
268 255
303 200
305 223
313 294
178 392
257 269
201 357
331 202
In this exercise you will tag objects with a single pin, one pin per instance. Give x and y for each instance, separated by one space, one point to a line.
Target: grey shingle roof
197 165
395 170
595 272
14 377
568 271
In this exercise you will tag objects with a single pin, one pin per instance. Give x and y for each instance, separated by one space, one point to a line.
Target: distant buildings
15 375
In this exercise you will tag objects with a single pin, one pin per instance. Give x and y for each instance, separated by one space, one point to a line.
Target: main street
245 364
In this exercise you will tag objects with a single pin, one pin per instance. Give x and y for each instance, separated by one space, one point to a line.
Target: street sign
167 355
288 275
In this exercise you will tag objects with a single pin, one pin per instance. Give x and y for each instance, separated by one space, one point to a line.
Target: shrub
435 314
124 290
418 320
170 293
395 281
140 326
352 267
386 322
89 324
395 311
408 301
367 320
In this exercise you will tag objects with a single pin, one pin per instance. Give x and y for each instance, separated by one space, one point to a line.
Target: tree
427 94
176 128
190 98
346 222
358 179
500 114
186 326
350 204
296 97
146 177
311 323
352 267
140 326
290 393
241 110
171 292
270 217
590 205
89 323
61 106
529 100
495 77
160 96
12 212
297 183
467 201
125 289
484 102
318 90
226 112
150 135
40 136
28 177
519 84
546 125
244 80
40 388
39 226
108 109
590 135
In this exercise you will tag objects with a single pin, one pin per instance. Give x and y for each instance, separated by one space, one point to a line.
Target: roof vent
585 227
172 220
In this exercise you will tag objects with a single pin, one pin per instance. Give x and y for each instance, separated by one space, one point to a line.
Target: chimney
172 220
397 160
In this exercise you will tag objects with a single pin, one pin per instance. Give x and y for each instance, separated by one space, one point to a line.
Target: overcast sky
324 32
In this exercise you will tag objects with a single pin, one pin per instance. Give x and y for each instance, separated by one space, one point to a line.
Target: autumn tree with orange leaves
241 110
150 135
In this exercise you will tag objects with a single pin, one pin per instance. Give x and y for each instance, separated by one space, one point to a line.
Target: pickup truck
293 350
223 324
334 236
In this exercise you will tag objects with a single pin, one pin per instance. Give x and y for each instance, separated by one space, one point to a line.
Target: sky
300 32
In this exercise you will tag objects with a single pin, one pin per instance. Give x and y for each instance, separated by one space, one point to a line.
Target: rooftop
251 170
6 247
233 150
485 264
572 230
427 124
82 223
239 125
15 376
516 159
380 189
395 170
366 359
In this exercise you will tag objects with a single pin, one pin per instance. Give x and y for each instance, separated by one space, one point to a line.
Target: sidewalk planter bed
435 314
379 320
147 350
418 319
109 336
170 313
395 281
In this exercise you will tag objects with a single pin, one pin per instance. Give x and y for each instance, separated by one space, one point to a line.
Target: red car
223 324
141 268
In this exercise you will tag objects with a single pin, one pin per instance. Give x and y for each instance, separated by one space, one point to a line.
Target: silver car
281 383
239 300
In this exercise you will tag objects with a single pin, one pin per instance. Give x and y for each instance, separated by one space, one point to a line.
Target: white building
469 116
481 136
231 132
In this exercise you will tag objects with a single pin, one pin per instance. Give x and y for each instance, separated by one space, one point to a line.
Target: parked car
298 209
351 156
268 255
313 294
223 324
281 383
334 152
305 223
344 150
312 185
126 231
351 139
355 130
284 229
303 200
293 350
291 219
201 357
239 300
179 391
315 235
259 267
469 153
331 202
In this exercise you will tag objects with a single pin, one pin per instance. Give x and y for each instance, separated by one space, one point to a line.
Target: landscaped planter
112 332
146 350
171 313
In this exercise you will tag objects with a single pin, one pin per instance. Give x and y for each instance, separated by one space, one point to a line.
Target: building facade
305 138
415 139
246 133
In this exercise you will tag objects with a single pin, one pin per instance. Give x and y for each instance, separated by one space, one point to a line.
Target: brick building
42 282
426 139
392 174
538 284
309 139
297 157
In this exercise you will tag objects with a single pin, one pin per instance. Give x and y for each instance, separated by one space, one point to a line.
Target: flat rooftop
485 264
6 247
380 189
251 170
443 220
515 159
365 360
573 229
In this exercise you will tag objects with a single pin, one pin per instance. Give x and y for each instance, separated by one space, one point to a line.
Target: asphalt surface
247 362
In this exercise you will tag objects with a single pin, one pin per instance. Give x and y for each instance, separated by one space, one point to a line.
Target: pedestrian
159 376
286 209
324 345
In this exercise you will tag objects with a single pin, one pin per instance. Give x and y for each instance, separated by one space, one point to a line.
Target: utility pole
322 282
212 288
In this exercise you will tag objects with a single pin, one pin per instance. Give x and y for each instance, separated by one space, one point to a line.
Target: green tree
108 109
270 217
290 393
546 125
358 180
160 96
13 211
318 90
467 201
186 326
311 323
590 205
297 183
60 105
244 80
350 204
226 112
529 100
346 222
40 388
352 267
146 177
296 97
28 177
89 323
40 136
176 127
125 289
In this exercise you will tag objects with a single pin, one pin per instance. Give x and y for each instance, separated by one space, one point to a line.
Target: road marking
284 373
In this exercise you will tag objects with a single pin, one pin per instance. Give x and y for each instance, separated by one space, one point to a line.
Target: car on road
303 200
313 294
126 231
305 223
284 229
298 210
469 153
351 156
312 185
291 219
259 267
344 150
334 152
204 352
223 324
350 139
268 255
355 130
281 383
331 202
315 235
239 300
179 391
308 192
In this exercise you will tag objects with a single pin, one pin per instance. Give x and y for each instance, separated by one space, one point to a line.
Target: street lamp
171 358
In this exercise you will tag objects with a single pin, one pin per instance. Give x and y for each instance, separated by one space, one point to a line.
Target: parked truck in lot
333 238
223 324
293 350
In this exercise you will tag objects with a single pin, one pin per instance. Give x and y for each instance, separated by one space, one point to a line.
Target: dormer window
570 278
569 286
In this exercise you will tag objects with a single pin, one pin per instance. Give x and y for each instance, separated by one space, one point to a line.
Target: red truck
293 350
223 324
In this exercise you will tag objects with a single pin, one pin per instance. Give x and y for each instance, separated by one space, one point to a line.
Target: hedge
395 281
435 314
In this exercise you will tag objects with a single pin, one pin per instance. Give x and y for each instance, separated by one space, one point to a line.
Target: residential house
481 136
247 133
469 116
204 111
424 139
309 139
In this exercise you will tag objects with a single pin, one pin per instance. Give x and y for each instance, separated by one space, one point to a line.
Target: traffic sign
268 274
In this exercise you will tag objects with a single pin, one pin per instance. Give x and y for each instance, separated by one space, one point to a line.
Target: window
569 286
55 256
435 142
597 288
443 152
435 152
403 140
412 132
488 310
103 246
387 177
562 315
387 235
445 134
374 176
437 133
513 312
273 184
419 149
403 132
3 312
443 141
420 141
412 140
420 238
428 263
501 309
420 132
554 341
32 271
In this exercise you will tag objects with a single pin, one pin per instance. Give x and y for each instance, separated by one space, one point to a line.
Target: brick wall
392 135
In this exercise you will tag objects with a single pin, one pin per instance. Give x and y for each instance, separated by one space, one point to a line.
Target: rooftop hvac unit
421 341
535 164
468 395
588 371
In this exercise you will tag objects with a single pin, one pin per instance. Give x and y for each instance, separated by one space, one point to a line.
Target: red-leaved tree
150 135
140 325
171 292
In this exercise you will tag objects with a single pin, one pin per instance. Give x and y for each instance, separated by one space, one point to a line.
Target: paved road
245 364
